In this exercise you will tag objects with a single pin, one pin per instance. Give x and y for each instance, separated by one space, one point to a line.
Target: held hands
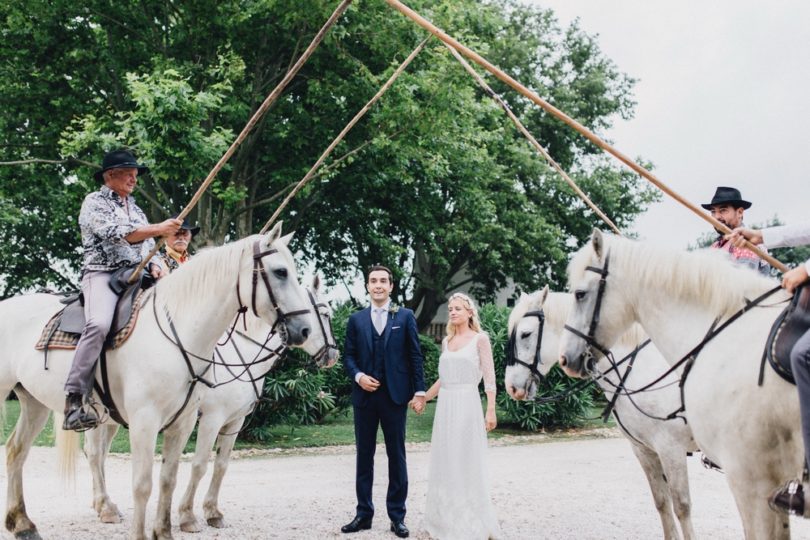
490 420
368 383
417 404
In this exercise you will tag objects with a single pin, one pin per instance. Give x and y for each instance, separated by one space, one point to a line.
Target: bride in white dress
458 501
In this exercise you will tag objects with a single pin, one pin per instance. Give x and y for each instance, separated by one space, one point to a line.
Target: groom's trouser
800 364
380 410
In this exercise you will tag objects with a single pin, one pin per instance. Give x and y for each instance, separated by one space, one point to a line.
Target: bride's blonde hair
474 322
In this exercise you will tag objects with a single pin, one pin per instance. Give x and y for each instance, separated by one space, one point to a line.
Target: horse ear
598 242
316 284
544 295
286 238
273 234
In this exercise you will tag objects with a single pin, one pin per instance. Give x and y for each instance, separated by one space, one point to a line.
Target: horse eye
579 295
525 335
280 273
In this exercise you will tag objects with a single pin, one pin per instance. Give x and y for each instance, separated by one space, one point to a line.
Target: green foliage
443 186
532 416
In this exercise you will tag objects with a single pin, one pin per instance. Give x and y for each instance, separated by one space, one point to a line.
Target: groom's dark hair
380 268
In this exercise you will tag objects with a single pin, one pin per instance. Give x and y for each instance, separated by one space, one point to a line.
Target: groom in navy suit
383 358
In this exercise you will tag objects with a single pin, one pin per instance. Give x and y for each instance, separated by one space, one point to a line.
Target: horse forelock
525 303
708 277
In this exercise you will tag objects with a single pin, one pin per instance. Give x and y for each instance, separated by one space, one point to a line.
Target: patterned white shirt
105 222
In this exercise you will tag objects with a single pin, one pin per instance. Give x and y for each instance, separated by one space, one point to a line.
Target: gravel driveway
583 489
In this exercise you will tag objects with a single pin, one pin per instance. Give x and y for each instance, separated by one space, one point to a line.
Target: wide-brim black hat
119 159
727 195
187 226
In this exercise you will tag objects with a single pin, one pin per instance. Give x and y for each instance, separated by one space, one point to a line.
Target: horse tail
67 447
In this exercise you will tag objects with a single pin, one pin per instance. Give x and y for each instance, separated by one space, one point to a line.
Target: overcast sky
723 92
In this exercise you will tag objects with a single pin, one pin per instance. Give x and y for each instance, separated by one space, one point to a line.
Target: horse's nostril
563 361
305 332
520 393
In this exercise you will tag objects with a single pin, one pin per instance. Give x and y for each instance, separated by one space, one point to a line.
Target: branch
70 160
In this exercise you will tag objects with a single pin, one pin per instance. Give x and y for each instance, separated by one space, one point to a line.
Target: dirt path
583 489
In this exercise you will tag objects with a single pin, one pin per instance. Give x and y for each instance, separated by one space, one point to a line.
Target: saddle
63 330
791 325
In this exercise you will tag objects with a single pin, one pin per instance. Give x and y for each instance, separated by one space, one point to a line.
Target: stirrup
788 499
79 420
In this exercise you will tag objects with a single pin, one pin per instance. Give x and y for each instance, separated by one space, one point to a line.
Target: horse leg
751 496
143 432
225 443
33 416
96 448
660 491
206 434
174 440
674 464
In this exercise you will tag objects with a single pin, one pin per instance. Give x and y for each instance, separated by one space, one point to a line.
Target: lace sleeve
486 363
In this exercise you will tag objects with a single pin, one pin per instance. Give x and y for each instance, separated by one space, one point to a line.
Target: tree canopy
434 182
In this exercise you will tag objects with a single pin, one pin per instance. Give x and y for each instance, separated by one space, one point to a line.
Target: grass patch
336 430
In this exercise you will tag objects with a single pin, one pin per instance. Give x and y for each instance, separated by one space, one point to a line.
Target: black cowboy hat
187 226
727 195
119 159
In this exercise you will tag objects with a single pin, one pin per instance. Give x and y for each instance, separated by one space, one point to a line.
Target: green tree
441 186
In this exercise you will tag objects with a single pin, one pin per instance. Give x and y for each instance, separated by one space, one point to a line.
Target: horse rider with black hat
175 252
115 234
727 207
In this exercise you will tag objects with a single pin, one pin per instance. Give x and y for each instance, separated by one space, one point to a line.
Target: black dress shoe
399 529
788 499
357 524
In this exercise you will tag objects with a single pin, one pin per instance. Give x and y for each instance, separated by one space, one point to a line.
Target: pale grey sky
723 99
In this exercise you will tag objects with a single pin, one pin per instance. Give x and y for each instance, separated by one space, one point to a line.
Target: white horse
536 326
240 368
752 431
149 376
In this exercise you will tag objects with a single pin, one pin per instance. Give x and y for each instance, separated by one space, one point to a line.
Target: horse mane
557 307
203 275
709 277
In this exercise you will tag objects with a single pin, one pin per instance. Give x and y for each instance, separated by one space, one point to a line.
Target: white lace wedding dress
458 502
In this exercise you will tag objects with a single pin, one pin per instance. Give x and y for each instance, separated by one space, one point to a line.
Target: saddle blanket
53 338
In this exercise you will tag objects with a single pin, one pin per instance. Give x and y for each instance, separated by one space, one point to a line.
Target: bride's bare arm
488 370
433 391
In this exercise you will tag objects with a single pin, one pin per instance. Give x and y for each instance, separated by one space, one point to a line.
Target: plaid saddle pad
53 338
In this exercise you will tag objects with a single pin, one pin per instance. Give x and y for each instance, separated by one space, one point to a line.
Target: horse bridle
327 345
258 270
511 353
590 338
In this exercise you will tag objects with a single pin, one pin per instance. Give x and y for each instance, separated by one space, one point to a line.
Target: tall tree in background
441 186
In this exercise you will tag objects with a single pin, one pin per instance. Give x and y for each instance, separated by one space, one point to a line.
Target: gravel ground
583 489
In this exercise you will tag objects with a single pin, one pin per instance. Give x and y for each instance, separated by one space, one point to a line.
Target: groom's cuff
357 377
418 394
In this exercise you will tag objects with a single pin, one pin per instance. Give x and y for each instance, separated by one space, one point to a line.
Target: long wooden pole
505 106
469 53
311 173
274 95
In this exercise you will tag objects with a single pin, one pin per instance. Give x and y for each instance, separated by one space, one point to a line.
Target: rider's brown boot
76 417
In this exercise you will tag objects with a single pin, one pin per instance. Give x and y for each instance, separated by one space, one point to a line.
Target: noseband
323 352
590 338
511 355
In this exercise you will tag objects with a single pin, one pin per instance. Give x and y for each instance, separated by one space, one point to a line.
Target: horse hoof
190 527
30 534
216 522
162 536
110 516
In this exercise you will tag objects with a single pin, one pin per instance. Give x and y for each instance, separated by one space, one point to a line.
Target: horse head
275 293
321 345
589 332
528 349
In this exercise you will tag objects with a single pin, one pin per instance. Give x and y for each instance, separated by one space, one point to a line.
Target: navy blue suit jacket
403 355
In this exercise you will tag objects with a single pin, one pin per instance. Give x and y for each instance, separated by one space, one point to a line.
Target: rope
250 125
311 173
